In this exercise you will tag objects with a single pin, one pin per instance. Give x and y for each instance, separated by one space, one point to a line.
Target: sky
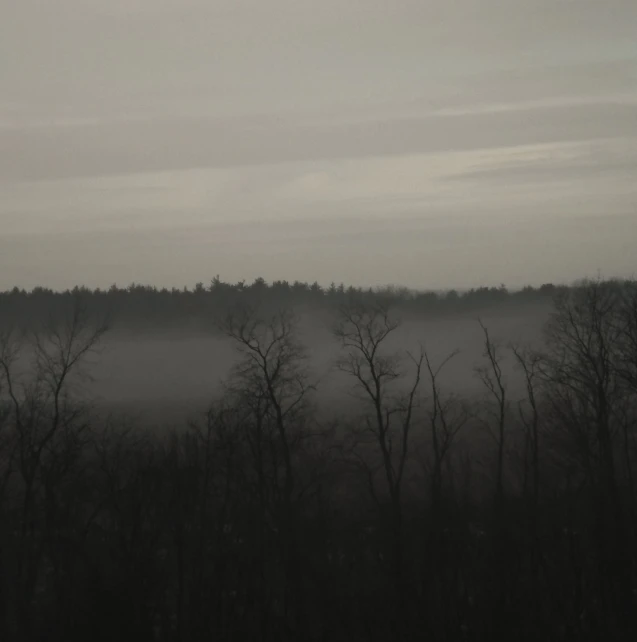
426 143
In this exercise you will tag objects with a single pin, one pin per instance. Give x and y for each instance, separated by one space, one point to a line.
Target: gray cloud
128 147
147 126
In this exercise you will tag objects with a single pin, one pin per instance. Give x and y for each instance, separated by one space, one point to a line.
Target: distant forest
145 306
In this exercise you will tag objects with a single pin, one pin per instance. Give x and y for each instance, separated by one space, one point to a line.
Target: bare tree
626 360
493 380
272 381
529 362
581 375
362 332
10 346
626 326
585 385
47 423
447 416
272 377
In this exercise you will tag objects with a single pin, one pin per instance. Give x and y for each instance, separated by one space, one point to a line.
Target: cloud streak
102 150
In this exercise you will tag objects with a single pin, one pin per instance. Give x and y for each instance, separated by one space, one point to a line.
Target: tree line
147 306
427 515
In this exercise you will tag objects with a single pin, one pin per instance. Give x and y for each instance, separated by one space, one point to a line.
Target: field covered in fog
166 376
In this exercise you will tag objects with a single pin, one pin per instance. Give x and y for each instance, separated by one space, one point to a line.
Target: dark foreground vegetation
429 516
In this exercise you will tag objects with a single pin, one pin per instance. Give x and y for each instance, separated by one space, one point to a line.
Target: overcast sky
431 143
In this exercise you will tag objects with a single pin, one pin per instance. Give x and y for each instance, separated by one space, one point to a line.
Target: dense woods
429 516
142 306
